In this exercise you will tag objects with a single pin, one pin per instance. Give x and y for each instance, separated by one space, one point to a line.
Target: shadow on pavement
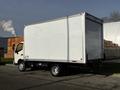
106 69
2 63
109 68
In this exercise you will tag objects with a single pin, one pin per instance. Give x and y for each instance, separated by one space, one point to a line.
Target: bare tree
113 17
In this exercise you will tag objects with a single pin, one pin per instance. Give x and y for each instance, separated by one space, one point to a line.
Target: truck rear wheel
56 70
21 66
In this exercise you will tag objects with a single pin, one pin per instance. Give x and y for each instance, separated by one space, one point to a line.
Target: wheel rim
55 70
21 66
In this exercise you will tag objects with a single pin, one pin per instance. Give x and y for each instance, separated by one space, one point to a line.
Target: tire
56 70
21 66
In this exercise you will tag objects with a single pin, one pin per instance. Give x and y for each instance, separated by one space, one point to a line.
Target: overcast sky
23 12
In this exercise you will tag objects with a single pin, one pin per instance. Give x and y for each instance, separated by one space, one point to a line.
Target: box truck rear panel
94 39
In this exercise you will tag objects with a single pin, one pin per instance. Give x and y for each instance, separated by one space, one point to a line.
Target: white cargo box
75 39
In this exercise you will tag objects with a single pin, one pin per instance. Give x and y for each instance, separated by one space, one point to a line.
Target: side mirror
16 51
13 47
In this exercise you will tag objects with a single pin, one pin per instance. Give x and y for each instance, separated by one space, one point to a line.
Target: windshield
19 47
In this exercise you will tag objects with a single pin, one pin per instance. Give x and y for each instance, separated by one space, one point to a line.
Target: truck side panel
47 41
76 39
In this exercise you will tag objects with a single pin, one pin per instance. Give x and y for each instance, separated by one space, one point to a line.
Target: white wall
112 32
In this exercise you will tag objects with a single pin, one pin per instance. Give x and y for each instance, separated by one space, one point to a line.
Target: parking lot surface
12 79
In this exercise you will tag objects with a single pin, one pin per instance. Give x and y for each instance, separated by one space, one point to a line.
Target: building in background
6 46
3 47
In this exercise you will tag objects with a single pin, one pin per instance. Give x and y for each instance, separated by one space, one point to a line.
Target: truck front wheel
21 66
56 70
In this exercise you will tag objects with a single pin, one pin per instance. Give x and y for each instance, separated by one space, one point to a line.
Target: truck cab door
18 53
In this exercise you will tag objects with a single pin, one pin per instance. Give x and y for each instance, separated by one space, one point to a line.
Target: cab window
19 47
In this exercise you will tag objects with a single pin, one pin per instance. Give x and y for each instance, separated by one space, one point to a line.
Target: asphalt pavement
12 79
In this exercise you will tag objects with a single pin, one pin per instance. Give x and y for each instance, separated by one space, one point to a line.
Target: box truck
112 40
71 40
